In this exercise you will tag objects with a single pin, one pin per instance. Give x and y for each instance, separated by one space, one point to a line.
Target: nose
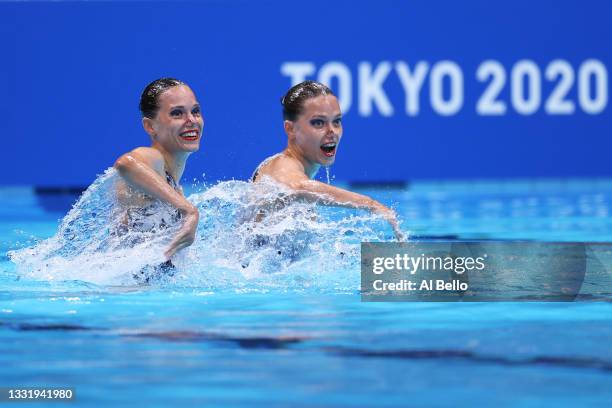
192 119
333 129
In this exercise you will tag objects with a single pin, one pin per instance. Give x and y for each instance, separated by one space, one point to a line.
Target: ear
147 124
290 130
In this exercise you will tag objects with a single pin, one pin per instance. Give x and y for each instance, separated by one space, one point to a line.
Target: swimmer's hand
389 215
186 234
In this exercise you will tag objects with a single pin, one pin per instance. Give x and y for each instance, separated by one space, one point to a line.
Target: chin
328 161
191 148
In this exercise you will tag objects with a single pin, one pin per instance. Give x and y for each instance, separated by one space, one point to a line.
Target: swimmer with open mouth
313 124
172 117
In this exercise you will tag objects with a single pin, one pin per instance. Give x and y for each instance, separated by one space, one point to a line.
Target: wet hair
296 96
149 100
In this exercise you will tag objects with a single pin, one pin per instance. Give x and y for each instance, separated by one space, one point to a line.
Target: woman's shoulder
262 167
144 155
277 166
149 155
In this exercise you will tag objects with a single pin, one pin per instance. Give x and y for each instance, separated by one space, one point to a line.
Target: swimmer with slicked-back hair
313 124
172 117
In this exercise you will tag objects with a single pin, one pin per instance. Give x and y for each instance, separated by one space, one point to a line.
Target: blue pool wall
510 89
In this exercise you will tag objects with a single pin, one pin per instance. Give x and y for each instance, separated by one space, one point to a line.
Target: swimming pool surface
304 345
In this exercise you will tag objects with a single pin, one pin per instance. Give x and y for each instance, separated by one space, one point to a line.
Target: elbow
190 211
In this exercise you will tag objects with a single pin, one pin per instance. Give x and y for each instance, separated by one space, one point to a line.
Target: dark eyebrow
319 116
197 105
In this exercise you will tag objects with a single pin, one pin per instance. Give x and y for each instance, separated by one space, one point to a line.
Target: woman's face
317 130
177 127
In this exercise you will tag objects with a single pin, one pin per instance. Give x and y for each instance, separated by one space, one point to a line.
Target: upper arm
330 195
142 170
133 167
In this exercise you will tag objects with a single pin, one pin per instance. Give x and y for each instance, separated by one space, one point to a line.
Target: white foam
297 246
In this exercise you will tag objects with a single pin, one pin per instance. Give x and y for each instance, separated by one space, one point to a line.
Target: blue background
73 73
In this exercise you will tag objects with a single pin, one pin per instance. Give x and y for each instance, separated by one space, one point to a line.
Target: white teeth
189 134
329 145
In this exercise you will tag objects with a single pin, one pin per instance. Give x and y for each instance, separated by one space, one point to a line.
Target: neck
174 162
310 168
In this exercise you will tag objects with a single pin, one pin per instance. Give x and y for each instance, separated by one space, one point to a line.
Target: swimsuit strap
174 185
171 181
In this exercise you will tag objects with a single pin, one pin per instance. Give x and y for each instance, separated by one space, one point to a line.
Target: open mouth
190 135
329 149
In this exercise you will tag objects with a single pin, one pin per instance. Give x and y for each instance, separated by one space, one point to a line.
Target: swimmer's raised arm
141 169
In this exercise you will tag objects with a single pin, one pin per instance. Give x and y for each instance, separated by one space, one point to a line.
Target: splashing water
90 245
251 237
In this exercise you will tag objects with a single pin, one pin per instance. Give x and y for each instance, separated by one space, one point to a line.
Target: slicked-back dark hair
296 96
149 100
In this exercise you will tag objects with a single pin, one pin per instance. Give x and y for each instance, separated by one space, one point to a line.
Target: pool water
301 337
